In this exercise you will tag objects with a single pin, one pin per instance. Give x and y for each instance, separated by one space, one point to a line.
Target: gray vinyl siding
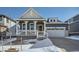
74 27
76 18
73 19
1 21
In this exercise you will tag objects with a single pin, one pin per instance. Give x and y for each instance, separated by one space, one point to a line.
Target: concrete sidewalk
68 44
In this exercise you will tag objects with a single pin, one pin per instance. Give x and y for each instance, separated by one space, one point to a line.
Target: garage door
56 32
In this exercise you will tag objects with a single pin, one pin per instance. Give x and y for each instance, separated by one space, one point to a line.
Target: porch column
44 27
35 26
17 27
26 26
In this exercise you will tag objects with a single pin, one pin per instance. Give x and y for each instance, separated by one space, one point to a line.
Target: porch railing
33 33
27 33
42 34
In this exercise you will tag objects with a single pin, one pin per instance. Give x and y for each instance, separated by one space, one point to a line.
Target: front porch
31 28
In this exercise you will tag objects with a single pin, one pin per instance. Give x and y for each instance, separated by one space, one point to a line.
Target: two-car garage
56 28
56 31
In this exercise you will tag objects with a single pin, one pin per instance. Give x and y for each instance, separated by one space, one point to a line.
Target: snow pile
45 49
73 37
44 46
42 43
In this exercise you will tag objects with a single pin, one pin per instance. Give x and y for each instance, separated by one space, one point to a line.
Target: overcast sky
63 13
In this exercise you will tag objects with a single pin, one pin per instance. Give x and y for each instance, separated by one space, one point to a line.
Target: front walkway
66 43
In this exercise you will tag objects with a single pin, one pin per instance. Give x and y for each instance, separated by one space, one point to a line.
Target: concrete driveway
68 44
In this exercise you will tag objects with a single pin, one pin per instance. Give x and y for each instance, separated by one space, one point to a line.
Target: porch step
41 38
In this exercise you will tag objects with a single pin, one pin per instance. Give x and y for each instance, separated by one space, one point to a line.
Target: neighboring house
73 24
8 22
56 28
2 30
31 23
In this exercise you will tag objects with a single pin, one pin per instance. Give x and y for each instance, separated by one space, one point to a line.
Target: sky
63 13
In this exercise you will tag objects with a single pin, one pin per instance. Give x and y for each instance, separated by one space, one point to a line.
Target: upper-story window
0 18
51 20
54 20
7 20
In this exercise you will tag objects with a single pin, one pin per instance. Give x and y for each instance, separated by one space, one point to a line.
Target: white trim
44 27
26 26
35 25
22 26
17 29
30 19
56 27
55 23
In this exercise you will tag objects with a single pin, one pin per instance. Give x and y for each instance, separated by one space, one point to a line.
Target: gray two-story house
73 25
8 23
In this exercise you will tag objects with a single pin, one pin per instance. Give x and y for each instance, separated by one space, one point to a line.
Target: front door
40 27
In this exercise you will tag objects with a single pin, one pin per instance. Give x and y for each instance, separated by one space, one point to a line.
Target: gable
31 14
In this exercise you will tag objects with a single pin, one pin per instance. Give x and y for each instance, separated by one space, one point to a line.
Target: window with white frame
23 26
31 26
7 20
0 18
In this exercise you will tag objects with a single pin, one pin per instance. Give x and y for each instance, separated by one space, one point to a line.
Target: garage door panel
51 33
56 33
60 33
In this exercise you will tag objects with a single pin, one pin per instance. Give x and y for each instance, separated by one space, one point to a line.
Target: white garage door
56 32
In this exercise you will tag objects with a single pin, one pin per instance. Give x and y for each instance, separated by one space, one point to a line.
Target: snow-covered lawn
40 46
73 37
24 47
45 49
7 41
